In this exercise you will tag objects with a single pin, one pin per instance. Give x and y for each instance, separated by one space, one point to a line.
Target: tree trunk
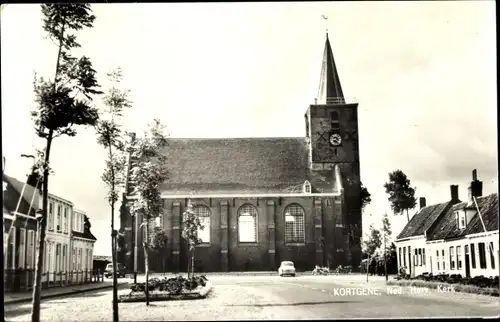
407 216
113 240
192 261
188 263
113 254
367 267
146 261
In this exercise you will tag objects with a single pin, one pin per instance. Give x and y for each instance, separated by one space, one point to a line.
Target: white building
82 243
453 237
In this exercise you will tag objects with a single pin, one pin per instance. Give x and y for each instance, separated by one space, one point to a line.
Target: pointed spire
330 90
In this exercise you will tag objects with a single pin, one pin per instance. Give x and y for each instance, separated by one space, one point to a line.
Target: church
264 200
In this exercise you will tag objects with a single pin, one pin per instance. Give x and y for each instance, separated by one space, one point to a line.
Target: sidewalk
12 298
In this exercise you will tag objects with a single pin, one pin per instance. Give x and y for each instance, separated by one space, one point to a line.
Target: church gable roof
241 165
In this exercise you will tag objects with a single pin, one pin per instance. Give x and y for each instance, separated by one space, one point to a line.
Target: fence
22 280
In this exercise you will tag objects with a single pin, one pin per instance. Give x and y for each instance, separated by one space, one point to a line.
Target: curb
48 296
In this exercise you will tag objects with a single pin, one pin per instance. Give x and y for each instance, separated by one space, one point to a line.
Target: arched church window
307 187
294 224
203 213
247 224
334 119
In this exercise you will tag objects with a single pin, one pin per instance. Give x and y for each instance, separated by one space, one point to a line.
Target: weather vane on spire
326 18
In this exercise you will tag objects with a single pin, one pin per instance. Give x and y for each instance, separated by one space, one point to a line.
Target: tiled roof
241 165
87 235
11 196
423 220
447 227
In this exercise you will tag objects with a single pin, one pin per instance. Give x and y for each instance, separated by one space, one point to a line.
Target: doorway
467 260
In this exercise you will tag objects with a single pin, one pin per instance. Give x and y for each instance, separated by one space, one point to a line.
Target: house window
444 259
437 259
307 187
64 257
59 218
74 259
420 256
462 221
472 256
423 256
459 257
31 249
482 256
65 220
22 246
404 256
294 224
452 258
334 119
456 219
400 259
247 224
492 255
51 216
203 214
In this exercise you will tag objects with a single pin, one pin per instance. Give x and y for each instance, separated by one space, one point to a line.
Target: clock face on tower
335 139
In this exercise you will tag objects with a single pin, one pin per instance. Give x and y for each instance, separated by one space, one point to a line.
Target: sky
424 74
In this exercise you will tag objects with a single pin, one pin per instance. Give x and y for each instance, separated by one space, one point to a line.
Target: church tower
332 136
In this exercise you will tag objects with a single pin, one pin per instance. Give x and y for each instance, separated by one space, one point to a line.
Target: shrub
175 285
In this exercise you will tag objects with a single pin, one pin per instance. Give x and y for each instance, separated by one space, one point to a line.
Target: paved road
271 297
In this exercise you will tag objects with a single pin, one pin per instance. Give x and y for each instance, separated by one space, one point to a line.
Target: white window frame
22 247
301 229
458 252
59 218
12 264
452 258
204 214
50 223
248 211
65 219
307 188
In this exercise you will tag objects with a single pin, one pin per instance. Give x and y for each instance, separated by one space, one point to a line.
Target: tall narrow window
31 249
13 248
404 256
437 259
307 187
419 256
247 224
400 259
294 224
65 219
482 256
74 259
59 218
65 258
492 255
444 260
423 256
459 257
22 247
203 214
50 223
452 258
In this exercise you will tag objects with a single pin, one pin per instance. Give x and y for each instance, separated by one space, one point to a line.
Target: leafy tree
401 194
191 224
365 196
159 244
110 136
62 103
371 245
147 173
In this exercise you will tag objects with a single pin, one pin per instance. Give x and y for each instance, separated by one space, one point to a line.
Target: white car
286 268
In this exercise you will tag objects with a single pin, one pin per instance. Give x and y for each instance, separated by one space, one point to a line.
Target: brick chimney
476 187
423 202
454 192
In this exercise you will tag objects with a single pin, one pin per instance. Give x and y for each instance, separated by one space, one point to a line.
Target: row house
68 241
454 237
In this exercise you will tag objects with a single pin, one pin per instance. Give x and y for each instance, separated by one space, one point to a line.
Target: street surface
271 297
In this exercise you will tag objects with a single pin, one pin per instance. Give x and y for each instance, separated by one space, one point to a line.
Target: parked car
120 270
286 268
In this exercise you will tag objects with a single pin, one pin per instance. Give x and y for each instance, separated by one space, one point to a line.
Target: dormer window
307 187
460 220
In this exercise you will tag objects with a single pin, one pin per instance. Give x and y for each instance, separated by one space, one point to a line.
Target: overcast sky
424 74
